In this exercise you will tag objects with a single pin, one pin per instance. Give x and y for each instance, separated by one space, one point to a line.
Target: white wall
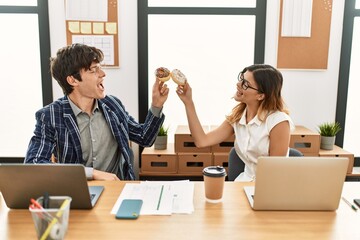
310 95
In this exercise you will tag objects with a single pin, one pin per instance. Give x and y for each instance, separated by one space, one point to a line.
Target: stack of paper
160 198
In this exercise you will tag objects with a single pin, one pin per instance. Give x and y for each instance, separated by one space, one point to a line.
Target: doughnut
162 73
178 77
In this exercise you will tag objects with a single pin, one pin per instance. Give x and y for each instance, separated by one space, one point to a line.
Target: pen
46 200
161 192
348 203
36 205
45 205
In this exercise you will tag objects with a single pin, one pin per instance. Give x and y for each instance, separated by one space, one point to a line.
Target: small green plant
329 129
163 131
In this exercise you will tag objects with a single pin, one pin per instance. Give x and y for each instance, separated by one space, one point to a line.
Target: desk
231 219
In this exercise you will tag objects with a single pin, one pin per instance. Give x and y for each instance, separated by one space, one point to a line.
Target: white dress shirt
252 140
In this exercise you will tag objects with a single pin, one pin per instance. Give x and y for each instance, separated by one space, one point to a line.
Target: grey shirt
99 147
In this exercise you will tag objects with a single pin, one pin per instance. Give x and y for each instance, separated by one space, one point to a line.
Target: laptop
298 183
21 182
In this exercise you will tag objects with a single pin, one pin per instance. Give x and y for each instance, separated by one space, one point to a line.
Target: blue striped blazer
56 132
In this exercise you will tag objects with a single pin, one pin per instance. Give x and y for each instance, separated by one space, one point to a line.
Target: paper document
159 198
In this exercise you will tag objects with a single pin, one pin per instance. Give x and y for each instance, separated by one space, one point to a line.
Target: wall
310 95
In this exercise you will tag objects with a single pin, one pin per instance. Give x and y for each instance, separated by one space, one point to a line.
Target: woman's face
247 89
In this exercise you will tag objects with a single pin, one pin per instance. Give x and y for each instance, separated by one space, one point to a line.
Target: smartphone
129 209
357 202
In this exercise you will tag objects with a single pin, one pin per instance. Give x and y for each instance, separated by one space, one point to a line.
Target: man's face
92 84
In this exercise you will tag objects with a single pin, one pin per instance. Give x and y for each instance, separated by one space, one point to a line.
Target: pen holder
52 222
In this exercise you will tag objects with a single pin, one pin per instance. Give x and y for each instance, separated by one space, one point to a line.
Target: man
88 127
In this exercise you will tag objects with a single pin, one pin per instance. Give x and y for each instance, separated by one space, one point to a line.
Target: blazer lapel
73 131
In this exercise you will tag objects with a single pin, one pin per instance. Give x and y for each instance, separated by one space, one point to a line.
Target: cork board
91 30
307 52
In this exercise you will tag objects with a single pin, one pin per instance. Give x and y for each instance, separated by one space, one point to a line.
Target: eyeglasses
95 69
245 83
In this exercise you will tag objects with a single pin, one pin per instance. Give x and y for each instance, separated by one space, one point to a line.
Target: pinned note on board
95 25
98 28
74 27
296 18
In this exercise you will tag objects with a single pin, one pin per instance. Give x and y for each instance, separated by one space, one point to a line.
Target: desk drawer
194 162
159 163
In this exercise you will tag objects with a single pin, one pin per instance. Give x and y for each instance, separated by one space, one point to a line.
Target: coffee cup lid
214 171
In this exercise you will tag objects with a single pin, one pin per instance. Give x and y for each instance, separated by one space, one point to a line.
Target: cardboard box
159 161
224 146
339 152
305 140
222 159
184 142
193 163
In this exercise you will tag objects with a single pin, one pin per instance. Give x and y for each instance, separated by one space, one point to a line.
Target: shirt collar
77 110
255 120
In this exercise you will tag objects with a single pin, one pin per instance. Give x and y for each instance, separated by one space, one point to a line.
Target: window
25 72
209 41
348 112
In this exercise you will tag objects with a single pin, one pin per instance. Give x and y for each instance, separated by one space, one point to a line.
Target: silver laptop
298 183
20 182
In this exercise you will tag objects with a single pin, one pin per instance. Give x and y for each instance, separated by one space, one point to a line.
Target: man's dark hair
70 60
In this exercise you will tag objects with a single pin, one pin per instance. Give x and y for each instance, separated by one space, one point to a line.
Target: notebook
20 182
298 183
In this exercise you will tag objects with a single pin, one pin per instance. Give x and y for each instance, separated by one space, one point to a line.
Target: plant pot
160 142
327 143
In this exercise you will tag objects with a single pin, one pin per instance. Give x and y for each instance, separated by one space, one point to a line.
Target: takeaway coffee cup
214 178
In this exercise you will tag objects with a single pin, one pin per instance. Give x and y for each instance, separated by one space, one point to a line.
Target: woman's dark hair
269 81
70 60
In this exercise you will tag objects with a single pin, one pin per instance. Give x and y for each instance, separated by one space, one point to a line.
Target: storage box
159 161
222 159
305 140
339 152
184 142
193 163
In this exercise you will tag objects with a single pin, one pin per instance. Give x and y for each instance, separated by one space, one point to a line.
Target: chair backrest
236 165
295 153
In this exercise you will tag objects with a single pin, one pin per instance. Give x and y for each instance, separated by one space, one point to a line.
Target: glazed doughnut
162 73
178 77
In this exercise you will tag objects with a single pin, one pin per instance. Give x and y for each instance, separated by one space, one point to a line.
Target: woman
260 122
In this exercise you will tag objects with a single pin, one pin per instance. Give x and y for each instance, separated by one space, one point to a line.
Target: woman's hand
185 93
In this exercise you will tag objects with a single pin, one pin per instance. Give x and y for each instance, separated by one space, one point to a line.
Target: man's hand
100 175
160 93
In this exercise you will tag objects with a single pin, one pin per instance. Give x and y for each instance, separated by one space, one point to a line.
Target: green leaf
329 129
163 131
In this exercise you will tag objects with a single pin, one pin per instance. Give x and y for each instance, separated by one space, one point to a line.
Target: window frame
345 60
143 11
44 45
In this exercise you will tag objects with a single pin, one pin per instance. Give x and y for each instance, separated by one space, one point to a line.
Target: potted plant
328 133
161 139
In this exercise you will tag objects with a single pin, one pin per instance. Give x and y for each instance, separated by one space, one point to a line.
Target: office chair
236 165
